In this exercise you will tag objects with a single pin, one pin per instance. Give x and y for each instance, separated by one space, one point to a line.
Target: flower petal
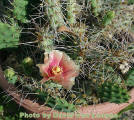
68 65
46 58
69 70
54 58
43 69
68 83
70 74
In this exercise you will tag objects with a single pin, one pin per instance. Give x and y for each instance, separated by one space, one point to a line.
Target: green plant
71 9
19 10
10 75
108 17
130 78
130 1
47 43
9 35
54 13
112 92
27 65
6 108
93 33
56 103
95 7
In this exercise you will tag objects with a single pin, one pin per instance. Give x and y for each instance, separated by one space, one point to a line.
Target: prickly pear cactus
19 10
130 78
71 8
106 72
47 44
9 35
90 32
53 9
112 92
10 75
95 7
108 17
63 105
56 103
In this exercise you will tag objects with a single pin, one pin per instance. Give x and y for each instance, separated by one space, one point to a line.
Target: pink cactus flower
59 68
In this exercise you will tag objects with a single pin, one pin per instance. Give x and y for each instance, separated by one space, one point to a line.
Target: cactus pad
54 13
56 103
19 10
113 93
9 36
130 78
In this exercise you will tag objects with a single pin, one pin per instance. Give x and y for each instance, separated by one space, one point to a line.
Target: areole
102 111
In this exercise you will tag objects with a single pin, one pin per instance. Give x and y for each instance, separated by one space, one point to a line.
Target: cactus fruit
130 78
28 62
54 13
27 65
9 72
108 18
10 75
113 93
19 10
9 36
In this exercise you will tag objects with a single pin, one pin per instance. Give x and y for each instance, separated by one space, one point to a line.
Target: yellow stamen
56 70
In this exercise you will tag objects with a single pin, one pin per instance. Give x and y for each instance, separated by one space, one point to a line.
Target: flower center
56 70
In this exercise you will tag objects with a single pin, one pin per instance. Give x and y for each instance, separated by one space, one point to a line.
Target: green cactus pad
71 8
94 6
54 13
47 43
130 78
108 18
19 10
9 36
111 92
10 75
109 73
56 103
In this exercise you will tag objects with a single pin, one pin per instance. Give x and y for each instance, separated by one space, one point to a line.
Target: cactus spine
19 10
10 75
108 18
112 92
47 43
130 78
54 13
71 9
56 103
9 35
